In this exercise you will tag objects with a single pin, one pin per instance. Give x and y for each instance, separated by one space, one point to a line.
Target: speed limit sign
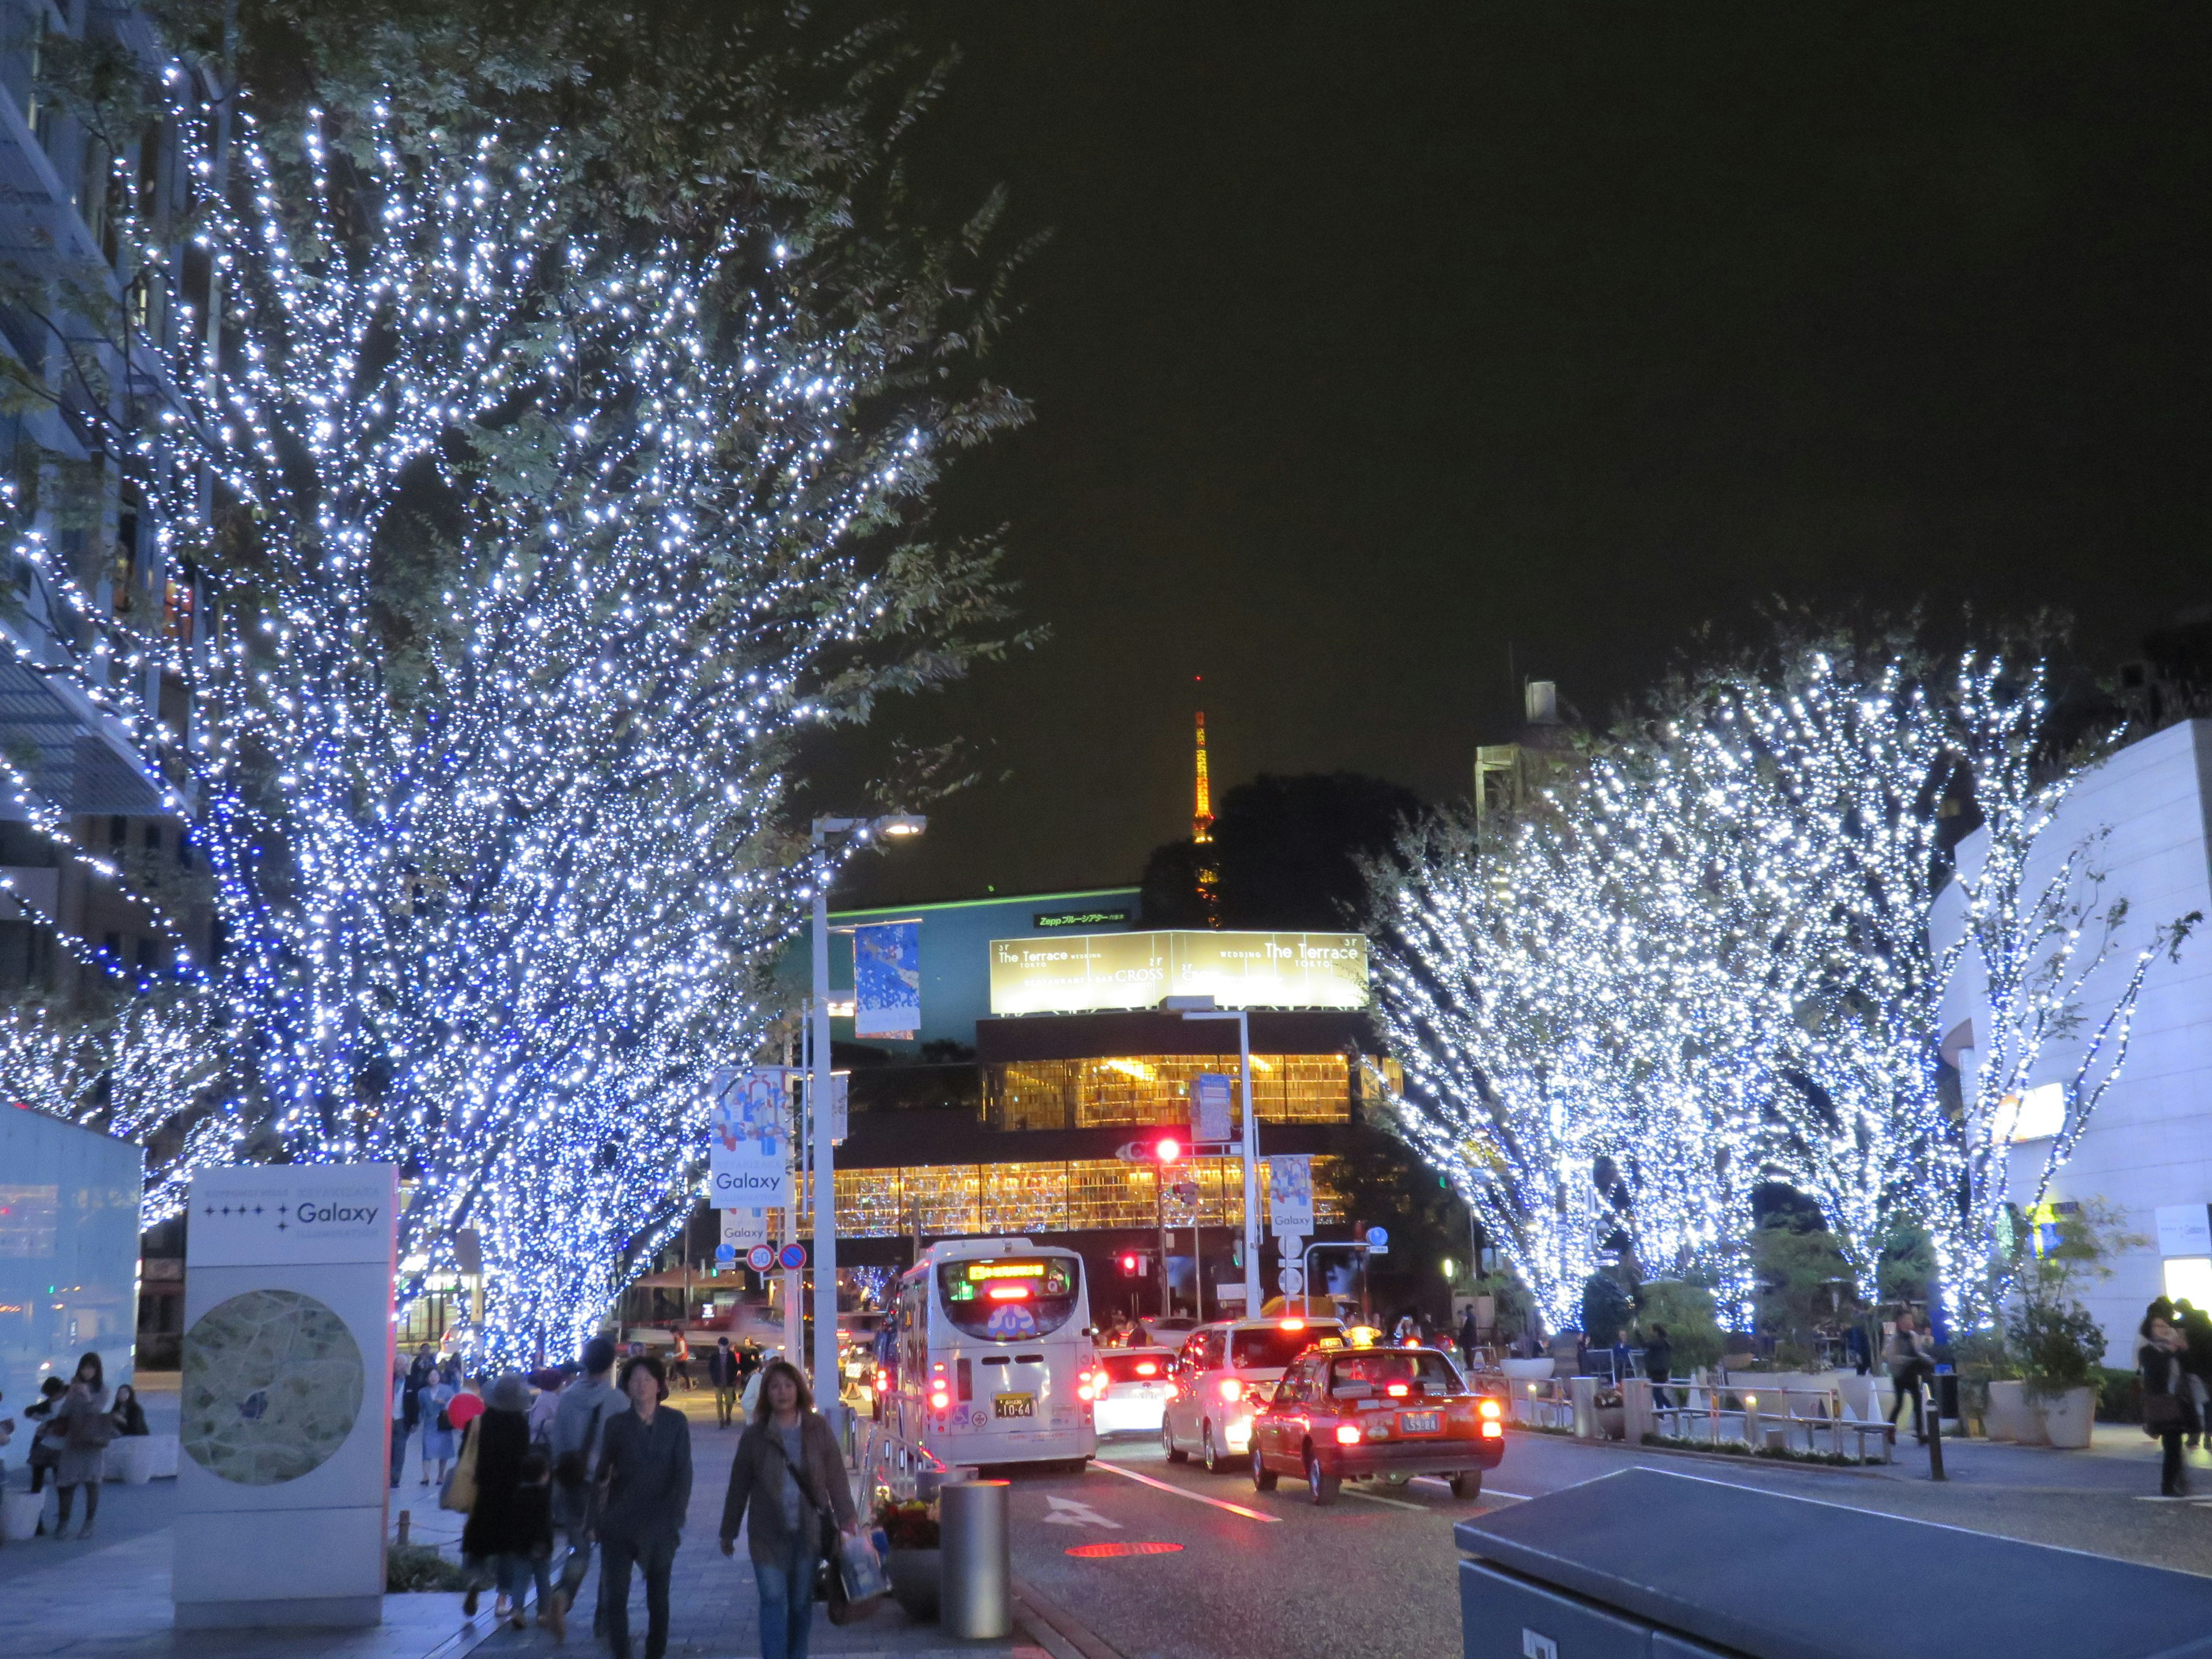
760 1258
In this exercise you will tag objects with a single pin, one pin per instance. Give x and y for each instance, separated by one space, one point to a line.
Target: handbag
90 1431
833 1583
2162 1413
459 1492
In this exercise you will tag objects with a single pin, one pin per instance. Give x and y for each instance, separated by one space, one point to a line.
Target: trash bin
978 1571
1649 1563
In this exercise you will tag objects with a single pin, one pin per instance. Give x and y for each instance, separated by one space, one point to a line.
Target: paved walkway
108 1597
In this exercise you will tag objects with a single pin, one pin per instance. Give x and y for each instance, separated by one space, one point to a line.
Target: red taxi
1344 1414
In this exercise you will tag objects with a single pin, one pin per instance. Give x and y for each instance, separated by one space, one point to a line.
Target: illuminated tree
541 547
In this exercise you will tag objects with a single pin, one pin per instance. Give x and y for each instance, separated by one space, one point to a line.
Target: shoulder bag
573 1469
459 1494
90 1430
835 1576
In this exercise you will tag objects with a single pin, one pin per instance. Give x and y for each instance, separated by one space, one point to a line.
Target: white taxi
1208 1412
1129 1389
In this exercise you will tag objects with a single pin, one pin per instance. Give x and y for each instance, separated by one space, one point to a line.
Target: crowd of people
70 1426
553 1466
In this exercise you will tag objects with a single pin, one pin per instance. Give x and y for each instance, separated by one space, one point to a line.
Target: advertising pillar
286 1401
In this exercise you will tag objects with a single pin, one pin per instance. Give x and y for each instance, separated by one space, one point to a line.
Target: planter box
130 1459
164 1455
1858 1395
1527 1370
915 1582
19 1515
2011 1417
2067 1416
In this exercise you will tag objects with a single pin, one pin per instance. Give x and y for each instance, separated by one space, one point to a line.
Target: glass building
68 1252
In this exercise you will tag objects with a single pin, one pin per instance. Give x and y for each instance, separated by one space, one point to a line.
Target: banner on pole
887 980
741 1229
1290 1195
1210 1094
749 1144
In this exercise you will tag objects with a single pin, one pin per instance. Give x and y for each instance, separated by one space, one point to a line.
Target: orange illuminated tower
1206 872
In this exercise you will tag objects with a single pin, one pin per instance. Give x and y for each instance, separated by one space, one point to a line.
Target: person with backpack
45 1454
790 1475
579 1426
82 1427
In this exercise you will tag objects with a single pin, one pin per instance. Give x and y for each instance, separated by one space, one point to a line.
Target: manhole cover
1093 1551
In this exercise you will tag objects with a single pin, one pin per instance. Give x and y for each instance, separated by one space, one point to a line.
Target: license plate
1419 1422
1014 1405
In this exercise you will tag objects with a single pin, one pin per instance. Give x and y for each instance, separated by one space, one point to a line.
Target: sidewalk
715 1606
108 1598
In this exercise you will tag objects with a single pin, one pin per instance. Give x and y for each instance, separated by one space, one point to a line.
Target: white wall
2150 1141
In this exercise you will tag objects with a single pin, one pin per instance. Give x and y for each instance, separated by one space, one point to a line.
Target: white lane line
1394 1502
1195 1498
1487 1492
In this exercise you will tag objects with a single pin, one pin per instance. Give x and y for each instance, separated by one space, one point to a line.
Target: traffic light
1167 1149
1135 1264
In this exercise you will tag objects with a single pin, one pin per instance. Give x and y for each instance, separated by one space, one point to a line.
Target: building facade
2147 1153
68 1252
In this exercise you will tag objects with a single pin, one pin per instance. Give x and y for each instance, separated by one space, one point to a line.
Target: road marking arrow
1071 1512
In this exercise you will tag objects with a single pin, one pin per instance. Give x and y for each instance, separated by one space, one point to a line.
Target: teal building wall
69 1255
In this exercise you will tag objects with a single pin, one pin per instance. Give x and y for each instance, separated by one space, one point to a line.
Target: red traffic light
1129 1265
1167 1149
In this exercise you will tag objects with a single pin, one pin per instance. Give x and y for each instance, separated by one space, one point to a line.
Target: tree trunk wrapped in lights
540 546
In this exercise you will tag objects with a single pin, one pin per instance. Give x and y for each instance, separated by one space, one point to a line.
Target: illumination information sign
1086 973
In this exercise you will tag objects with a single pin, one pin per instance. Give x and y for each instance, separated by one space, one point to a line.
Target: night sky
1374 343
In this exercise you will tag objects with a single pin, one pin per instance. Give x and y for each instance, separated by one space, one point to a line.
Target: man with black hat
579 1430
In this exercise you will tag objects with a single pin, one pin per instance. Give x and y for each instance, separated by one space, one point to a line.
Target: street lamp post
818 1085
1197 1008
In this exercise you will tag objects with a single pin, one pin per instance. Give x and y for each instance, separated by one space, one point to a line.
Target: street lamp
897 826
1202 1007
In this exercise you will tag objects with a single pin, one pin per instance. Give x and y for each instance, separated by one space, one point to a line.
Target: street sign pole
1202 1007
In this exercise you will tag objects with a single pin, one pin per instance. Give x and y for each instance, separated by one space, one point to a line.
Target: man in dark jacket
1658 1364
645 1485
722 1372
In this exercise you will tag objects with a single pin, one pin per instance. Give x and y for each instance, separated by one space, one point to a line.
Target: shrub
2059 1345
911 1525
2119 1396
411 1567
1686 1311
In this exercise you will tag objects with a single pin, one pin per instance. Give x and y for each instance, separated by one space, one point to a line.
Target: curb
1055 1629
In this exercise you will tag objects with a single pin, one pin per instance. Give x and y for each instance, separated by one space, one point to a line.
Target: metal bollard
976 1572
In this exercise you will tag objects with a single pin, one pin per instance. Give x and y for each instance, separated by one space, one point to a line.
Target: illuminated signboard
1051 921
1057 1279
1086 973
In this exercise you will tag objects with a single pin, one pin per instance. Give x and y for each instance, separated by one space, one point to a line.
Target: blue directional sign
1378 1238
726 1252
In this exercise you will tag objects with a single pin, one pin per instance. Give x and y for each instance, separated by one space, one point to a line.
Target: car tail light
1493 1429
1492 1409
1347 1434
1231 1389
1146 1368
1397 1390
882 1381
1099 1380
1294 1325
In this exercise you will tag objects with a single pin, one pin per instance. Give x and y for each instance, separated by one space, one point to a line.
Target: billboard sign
1210 1095
1088 973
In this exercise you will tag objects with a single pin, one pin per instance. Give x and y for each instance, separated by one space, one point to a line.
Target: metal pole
1160 1218
1251 1169
976 1573
793 1326
822 1122
1931 1419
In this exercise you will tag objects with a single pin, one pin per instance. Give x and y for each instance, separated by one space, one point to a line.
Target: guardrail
1815 1421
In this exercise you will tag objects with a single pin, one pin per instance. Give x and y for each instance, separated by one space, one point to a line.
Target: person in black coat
2169 1412
506 1532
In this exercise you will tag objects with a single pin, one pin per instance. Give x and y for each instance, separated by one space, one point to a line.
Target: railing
1813 1420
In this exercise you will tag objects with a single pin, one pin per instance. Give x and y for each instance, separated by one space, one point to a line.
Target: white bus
992 1355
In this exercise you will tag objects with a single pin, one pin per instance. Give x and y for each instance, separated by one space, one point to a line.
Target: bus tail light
938 1400
1347 1434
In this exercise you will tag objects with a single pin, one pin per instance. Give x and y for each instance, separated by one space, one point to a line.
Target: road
1271 1576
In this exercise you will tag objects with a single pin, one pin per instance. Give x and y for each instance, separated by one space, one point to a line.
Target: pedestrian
1856 1348
2168 1411
45 1454
130 1416
548 1383
1470 1337
644 1487
749 1361
788 1474
81 1425
579 1421
439 1440
419 1374
680 1357
1659 1364
2195 1329
1909 1361
400 1425
509 1532
722 1372
749 1401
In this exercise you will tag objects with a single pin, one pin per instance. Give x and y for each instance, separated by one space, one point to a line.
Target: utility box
1647 1563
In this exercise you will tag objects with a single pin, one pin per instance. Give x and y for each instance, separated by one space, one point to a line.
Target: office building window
1141 1091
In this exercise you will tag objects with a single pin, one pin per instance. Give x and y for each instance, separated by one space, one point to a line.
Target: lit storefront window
1084 1196
1138 1091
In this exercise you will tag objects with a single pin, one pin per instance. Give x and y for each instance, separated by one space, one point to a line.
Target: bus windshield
1010 1299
